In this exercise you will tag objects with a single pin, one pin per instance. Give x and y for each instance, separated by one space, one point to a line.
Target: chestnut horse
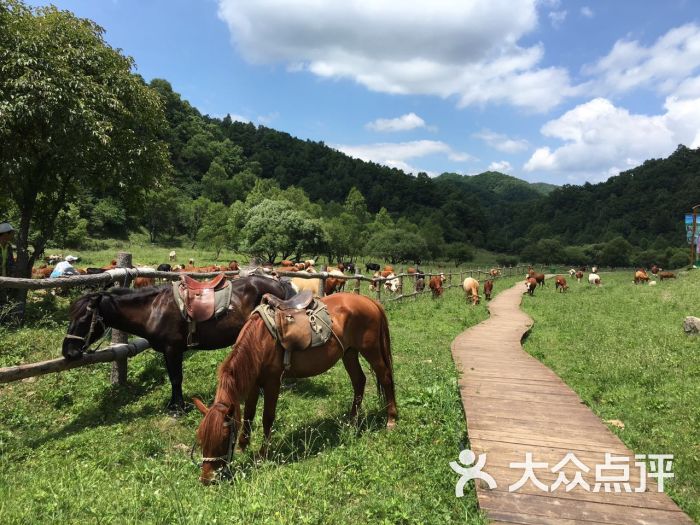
256 361
152 313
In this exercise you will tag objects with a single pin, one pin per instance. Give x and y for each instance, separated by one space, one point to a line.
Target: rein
96 318
229 422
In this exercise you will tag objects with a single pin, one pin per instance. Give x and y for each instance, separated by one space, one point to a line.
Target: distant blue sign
689 229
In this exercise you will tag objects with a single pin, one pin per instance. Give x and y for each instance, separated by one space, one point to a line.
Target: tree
276 228
212 234
161 215
616 252
459 252
193 213
397 246
72 116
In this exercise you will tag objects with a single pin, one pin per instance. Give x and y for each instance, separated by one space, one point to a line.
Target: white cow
594 278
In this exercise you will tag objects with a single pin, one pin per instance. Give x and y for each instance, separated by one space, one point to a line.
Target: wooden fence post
119 367
357 284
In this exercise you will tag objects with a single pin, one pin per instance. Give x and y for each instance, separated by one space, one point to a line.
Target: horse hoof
391 424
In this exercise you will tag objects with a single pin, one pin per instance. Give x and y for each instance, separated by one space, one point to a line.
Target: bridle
228 422
96 318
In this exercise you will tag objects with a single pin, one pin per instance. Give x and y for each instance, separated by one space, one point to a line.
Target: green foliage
72 116
108 217
71 230
397 246
213 233
459 253
276 228
616 252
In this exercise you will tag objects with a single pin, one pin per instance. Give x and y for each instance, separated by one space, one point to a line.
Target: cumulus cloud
601 139
396 154
451 48
501 142
503 166
662 66
557 18
405 122
587 12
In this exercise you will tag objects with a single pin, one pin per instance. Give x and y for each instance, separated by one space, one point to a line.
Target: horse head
216 435
86 325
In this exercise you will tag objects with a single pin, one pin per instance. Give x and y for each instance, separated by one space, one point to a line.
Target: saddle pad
222 301
318 319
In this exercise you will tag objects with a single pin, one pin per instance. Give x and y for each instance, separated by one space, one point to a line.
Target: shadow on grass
311 439
107 410
306 388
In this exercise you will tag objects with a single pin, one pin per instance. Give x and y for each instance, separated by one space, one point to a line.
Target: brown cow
435 285
488 289
579 275
560 284
667 275
389 269
640 276
539 277
420 284
531 284
655 269
287 264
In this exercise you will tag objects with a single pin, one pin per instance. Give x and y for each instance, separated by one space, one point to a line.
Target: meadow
622 348
75 449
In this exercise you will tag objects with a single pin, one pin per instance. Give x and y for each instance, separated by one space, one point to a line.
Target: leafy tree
680 259
108 217
382 221
193 214
459 252
276 228
616 252
212 235
397 246
162 213
72 116
356 206
71 229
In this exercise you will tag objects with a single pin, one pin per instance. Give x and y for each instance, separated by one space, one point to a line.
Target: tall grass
623 349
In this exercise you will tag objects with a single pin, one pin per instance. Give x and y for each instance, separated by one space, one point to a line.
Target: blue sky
545 90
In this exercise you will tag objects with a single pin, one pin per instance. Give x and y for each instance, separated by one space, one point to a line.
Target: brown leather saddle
201 300
199 296
297 324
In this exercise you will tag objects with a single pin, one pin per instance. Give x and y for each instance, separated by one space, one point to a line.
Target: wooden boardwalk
514 405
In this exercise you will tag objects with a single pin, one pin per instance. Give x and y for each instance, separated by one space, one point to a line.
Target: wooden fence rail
110 353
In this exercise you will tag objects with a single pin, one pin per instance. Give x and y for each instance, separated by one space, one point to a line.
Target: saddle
297 324
199 301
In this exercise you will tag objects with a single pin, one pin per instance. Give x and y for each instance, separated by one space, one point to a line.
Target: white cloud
396 154
587 12
662 66
602 139
501 142
269 118
239 118
557 18
451 48
502 166
405 122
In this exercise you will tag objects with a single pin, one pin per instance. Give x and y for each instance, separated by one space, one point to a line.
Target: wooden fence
120 349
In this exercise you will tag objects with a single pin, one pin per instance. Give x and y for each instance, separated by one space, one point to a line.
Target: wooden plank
514 405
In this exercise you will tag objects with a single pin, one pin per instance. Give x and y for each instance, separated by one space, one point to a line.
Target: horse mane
237 374
77 307
240 369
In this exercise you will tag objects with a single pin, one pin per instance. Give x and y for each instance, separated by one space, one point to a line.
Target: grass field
622 348
74 449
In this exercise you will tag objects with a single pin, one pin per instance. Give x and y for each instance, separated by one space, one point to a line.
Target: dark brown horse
256 361
152 313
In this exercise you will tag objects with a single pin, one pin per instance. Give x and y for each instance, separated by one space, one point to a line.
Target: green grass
74 449
622 348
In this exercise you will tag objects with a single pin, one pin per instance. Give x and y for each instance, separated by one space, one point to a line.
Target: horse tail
384 348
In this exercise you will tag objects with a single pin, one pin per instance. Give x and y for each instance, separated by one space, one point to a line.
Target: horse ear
200 406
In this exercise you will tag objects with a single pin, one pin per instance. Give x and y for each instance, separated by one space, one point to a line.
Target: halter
96 318
229 422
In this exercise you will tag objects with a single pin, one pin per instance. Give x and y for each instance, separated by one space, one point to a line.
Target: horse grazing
560 283
488 289
360 327
152 313
471 288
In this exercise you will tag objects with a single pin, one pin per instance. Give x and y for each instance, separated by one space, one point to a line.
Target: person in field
65 268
